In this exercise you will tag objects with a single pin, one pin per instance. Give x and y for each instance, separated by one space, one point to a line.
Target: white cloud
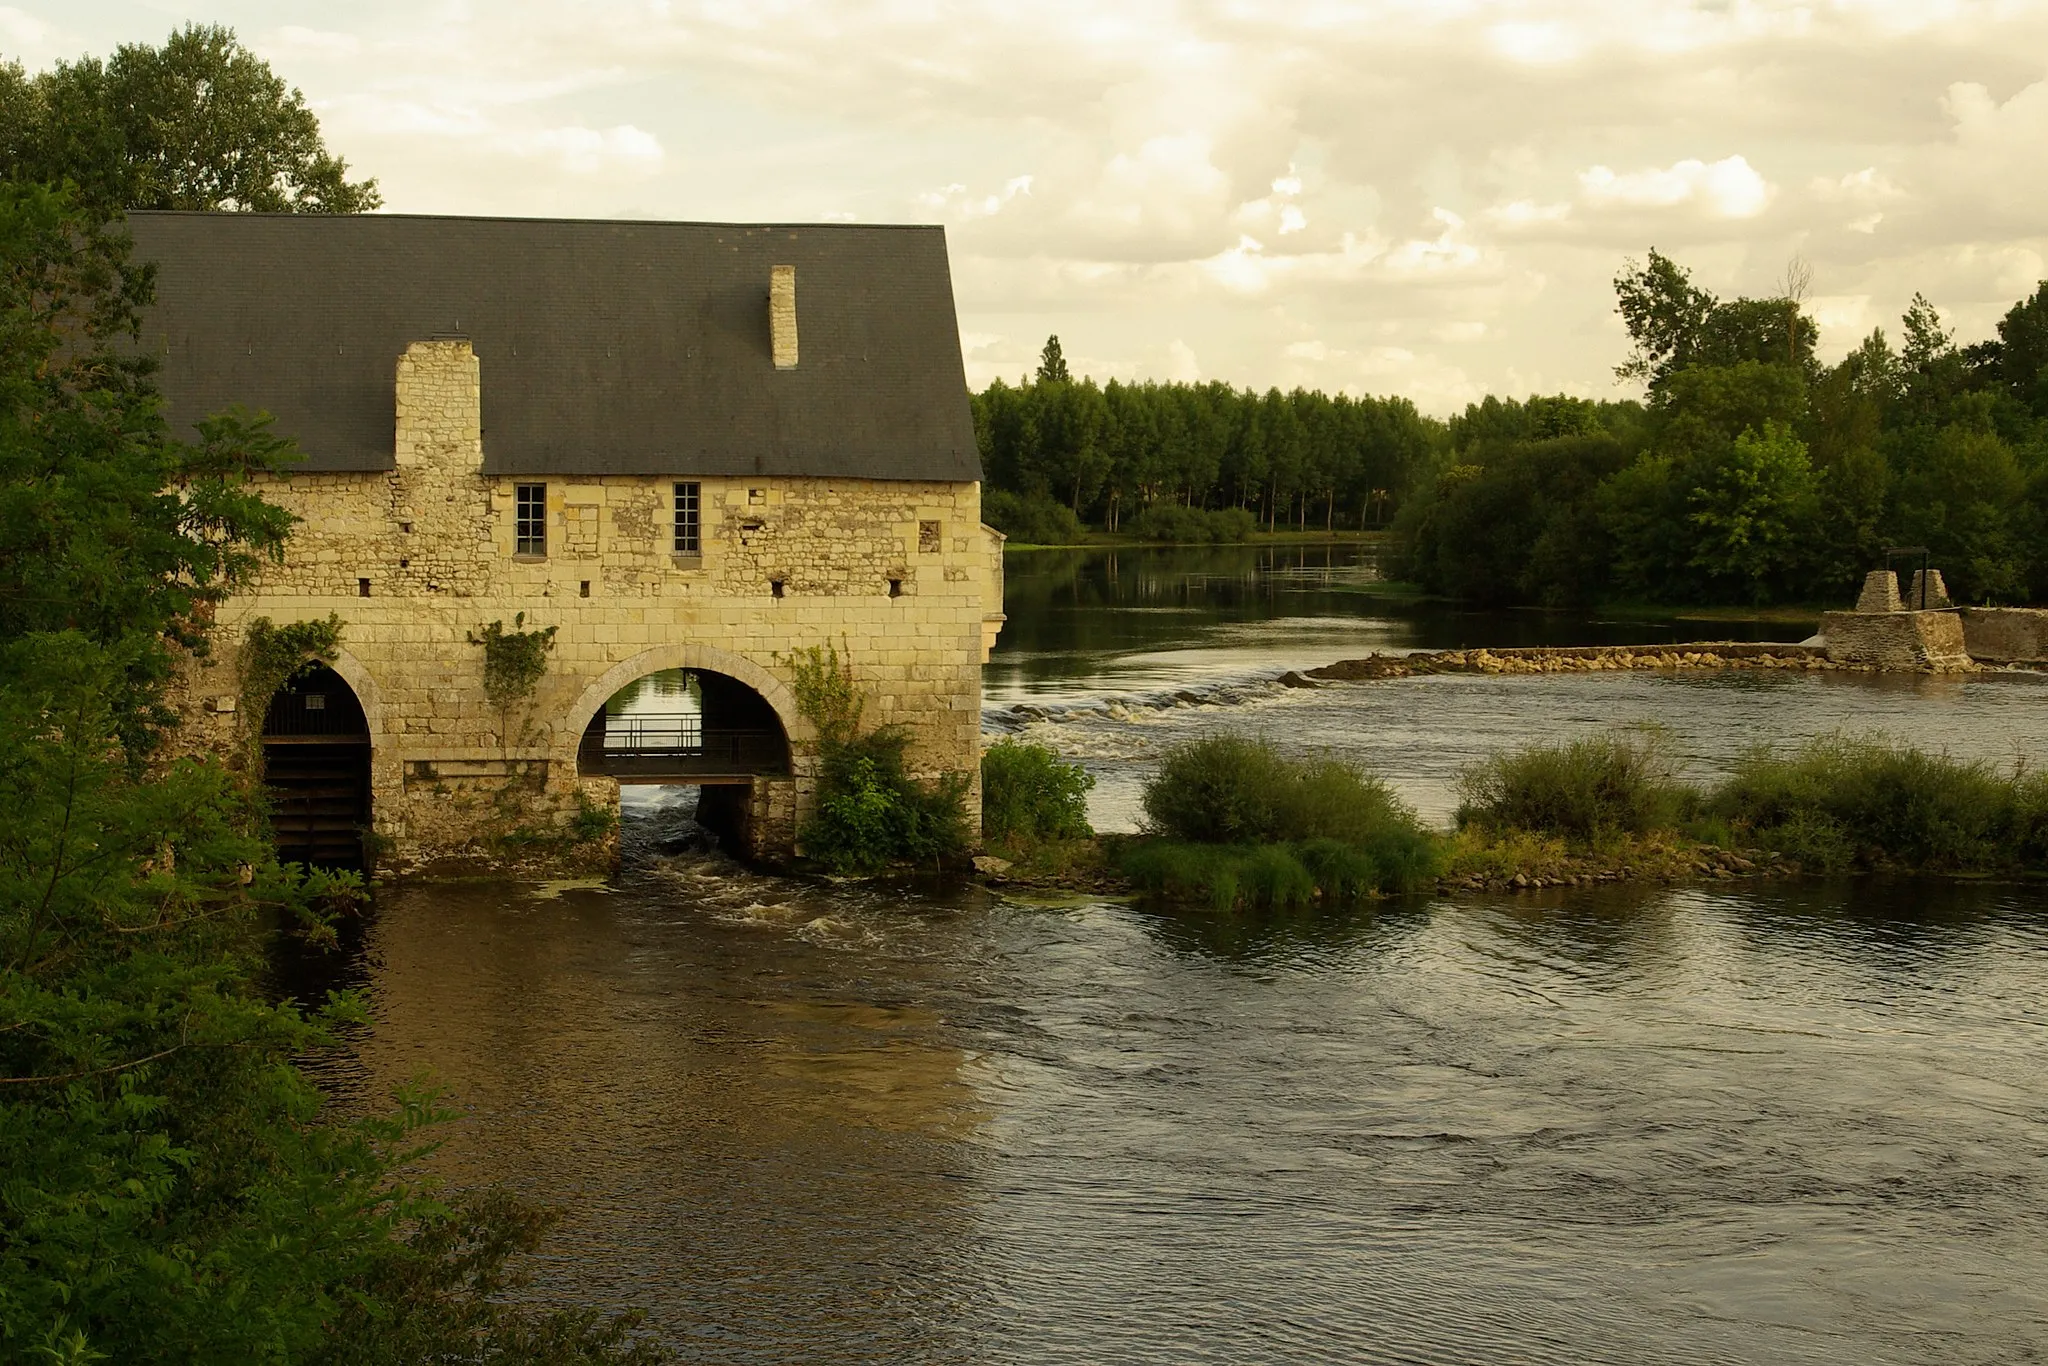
1728 188
1430 196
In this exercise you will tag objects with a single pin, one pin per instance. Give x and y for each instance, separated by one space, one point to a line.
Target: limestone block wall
901 578
2006 635
1931 640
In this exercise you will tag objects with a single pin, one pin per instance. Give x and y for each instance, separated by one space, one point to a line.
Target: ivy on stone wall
826 695
514 661
871 813
271 655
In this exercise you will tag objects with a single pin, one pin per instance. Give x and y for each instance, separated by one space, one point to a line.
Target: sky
1427 198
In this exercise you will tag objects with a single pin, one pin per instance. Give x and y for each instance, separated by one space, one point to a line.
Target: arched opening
316 763
678 730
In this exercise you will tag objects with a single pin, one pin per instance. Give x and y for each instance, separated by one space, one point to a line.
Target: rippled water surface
820 1123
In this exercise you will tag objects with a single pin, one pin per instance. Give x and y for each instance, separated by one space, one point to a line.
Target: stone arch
386 773
686 656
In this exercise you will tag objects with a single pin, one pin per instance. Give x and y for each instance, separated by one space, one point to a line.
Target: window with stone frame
530 519
688 505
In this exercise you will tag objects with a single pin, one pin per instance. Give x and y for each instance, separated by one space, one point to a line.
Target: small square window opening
688 509
362 588
775 587
895 588
584 590
530 519
316 701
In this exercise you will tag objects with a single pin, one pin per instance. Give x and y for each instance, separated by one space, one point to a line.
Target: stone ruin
1890 631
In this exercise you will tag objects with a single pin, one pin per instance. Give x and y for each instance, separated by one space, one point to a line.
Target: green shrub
1032 520
1027 793
1227 789
1839 802
1242 825
872 813
1277 876
1178 525
1582 789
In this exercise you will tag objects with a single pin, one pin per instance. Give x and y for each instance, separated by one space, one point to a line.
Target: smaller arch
316 764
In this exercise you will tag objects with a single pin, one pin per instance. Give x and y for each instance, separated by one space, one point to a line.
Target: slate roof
605 347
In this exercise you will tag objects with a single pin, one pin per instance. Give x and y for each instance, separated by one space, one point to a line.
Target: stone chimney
440 408
782 315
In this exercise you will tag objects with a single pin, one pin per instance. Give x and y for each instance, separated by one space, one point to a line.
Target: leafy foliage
271 655
515 661
1841 802
107 522
1028 793
173 1189
1754 474
1242 823
199 123
1034 520
871 812
1596 786
1113 452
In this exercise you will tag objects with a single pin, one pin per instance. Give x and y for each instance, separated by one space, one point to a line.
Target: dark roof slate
605 347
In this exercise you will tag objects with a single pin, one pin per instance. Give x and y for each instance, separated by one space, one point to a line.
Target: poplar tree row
1300 459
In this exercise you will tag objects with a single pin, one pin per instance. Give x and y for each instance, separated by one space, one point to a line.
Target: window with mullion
530 520
687 541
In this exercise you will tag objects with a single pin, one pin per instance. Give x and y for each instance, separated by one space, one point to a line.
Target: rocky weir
1580 659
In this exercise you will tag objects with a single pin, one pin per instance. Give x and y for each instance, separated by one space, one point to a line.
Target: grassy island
1231 823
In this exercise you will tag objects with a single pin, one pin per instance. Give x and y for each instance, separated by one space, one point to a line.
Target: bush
1839 802
1032 520
1227 789
1242 824
1027 793
1177 525
1582 789
872 813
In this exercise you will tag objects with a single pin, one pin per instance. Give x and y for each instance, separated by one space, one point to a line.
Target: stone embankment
1581 659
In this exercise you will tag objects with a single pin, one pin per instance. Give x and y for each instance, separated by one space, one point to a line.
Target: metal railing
679 743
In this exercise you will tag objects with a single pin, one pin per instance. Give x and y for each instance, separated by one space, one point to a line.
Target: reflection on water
826 1123
1084 623
1625 1125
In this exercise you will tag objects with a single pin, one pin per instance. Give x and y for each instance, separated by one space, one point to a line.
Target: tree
1052 363
1753 514
200 123
2023 351
1665 313
173 1190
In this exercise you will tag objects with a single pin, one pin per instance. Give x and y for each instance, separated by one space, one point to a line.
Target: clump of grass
1587 789
1028 794
1228 789
1842 802
1237 823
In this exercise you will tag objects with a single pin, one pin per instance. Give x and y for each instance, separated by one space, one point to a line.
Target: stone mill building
684 447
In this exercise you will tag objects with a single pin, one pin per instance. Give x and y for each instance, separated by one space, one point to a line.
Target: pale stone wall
1931 640
431 542
2006 635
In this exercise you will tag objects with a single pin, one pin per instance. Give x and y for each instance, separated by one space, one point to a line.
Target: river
798 1121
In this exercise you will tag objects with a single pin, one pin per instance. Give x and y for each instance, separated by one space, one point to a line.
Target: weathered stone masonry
415 559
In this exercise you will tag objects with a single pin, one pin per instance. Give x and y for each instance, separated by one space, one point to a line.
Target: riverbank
1515 862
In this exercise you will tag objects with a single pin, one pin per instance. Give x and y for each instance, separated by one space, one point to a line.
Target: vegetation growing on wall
871 812
515 661
271 655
